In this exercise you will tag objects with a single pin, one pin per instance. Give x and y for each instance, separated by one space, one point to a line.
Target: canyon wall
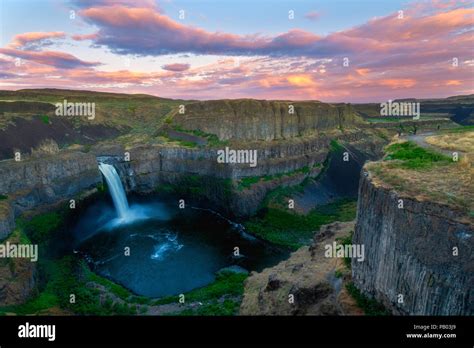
249 119
153 166
409 252
46 180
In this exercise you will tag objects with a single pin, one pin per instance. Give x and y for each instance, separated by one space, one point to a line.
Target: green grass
226 308
101 188
142 113
114 288
64 277
347 240
389 119
186 143
40 227
336 146
45 119
3 197
292 230
227 283
412 156
461 129
247 182
196 186
280 193
368 305
212 139
59 278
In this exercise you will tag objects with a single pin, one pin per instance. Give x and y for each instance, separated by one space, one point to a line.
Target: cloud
82 37
176 67
124 3
34 39
145 31
56 59
312 16
389 58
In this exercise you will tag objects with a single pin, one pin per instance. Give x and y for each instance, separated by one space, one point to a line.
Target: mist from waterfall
116 189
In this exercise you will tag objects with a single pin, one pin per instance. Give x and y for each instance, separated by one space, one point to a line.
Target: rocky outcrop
36 182
419 258
7 219
250 119
307 275
17 277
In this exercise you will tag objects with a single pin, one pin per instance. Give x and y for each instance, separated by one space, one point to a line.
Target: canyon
290 147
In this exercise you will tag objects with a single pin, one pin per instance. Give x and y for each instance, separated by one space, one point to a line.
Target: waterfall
116 189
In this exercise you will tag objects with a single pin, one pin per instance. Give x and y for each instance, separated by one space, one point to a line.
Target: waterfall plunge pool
156 249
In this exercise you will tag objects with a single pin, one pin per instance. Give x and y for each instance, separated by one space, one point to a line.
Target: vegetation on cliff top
412 156
212 139
424 174
247 182
293 230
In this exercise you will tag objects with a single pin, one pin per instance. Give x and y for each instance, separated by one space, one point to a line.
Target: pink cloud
82 37
176 67
389 58
30 38
312 16
57 59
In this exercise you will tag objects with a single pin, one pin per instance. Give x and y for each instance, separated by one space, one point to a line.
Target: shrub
368 305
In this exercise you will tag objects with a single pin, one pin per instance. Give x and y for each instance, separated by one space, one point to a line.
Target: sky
332 50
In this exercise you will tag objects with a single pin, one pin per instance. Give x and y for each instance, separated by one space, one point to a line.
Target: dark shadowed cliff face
409 252
263 120
47 180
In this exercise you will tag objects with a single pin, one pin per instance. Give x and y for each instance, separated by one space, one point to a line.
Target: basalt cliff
418 257
414 220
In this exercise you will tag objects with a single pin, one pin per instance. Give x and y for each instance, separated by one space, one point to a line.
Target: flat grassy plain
428 174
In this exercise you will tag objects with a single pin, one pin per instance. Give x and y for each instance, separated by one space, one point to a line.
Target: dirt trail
420 140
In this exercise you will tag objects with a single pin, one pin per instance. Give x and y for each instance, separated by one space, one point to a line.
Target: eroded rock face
307 275
251 119
152 166
17 277
7 219
17 281
36 182
409 252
